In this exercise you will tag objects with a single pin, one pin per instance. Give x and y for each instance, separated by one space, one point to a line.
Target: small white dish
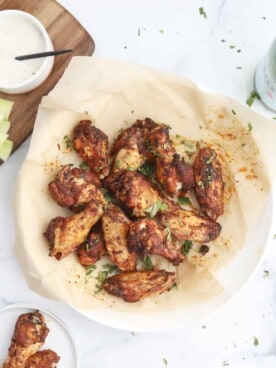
59 339
21 34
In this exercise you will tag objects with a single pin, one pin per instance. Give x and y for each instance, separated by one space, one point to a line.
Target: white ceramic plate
59 339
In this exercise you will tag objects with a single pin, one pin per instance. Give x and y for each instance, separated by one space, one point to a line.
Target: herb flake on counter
274 237
253 95
238 67
161 31
264 18
203 327
234 112
232 46
239 50
83 165
255 341
68 142
158 206
222 40
186 247
165 362
249 127
202 12
183 200
139 32
125 47
266 273
146 262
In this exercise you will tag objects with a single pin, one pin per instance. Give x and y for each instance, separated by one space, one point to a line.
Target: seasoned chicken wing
128 157
28 337
93 248
133 190
75 187
116 227
65 234
43 359
172 172
209 186
92 146
145 236
135 286
187 225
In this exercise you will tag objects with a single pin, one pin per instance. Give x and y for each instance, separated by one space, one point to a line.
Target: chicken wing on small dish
172 172
74 187
93 248
116 227
187 225
135 286
65 234
29 335
145 236
43 359
92 146
209 186
133 190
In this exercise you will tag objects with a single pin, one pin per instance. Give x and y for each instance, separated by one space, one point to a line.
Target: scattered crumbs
249 127
222 40
239 50
253 95
238 67
266 273
203 327
125 47
225 363
202 12
264 18
161 30
232 46
234 112
132 333
165 362
255 341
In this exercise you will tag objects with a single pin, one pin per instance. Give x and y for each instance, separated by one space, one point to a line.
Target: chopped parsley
202 12
147 170
83 165
232 46
274 237
132 111
234 112
183 200
255 341
90 269
161 30
68 142
266 273
249 127
243 145
146 262
110 268
239 50
169 234
186 247
222 40
157 206
165 362
86 112
253 95
238 67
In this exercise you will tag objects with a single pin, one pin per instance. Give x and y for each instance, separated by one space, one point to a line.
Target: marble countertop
171 35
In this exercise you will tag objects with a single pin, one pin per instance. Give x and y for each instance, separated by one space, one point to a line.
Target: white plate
59 339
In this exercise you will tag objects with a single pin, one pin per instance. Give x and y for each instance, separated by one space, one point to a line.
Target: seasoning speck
161 30
165 362
202 12
232 46
249 127
266 273
253 95
255 341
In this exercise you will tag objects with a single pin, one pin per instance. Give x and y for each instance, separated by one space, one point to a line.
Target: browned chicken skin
29 335
65 234
187 225
145 236
209 187
92 146
93 248
116 227
135 286
43 359
74 187
133 190
172 172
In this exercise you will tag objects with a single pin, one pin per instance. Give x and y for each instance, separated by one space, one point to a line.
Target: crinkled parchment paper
114 94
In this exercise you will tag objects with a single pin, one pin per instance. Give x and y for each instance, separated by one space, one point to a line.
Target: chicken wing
74 187
145 236
65 234
43 359
28 337
187 225
92 146
172 172
128 157
116 227
135 286
133 190
93 248
209 186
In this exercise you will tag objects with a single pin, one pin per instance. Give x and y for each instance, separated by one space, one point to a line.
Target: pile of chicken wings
125 205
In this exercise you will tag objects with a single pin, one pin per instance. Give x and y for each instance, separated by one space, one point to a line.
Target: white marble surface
176 38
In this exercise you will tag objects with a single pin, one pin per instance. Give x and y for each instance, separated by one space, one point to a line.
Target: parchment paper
114 94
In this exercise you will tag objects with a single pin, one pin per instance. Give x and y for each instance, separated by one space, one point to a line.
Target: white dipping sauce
18 36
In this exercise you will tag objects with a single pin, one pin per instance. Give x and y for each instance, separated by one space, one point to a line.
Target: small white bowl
35 80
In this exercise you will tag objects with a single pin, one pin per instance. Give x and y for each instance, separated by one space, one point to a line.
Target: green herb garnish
202 12
90 269
158 206
232 46
253 95
147 170
161 30
83 165
266 273
146 262
165 362
255 341
238 67
183 200
234 112
249 127
68 142
110 268
186 247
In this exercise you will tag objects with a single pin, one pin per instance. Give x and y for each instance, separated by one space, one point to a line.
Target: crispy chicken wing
128 157
171 170
135 286
29 335
65 234
187 225
133 190
92 146
93 248
145 236
209 186
43 359
116 227
74 187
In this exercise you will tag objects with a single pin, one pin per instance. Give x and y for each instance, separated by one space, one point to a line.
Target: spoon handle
42 54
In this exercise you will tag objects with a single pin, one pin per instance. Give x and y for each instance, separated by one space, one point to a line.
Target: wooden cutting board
66 33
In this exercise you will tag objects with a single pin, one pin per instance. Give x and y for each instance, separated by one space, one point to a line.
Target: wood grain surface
66 33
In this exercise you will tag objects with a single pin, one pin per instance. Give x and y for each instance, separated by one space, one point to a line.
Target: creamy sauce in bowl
22 34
